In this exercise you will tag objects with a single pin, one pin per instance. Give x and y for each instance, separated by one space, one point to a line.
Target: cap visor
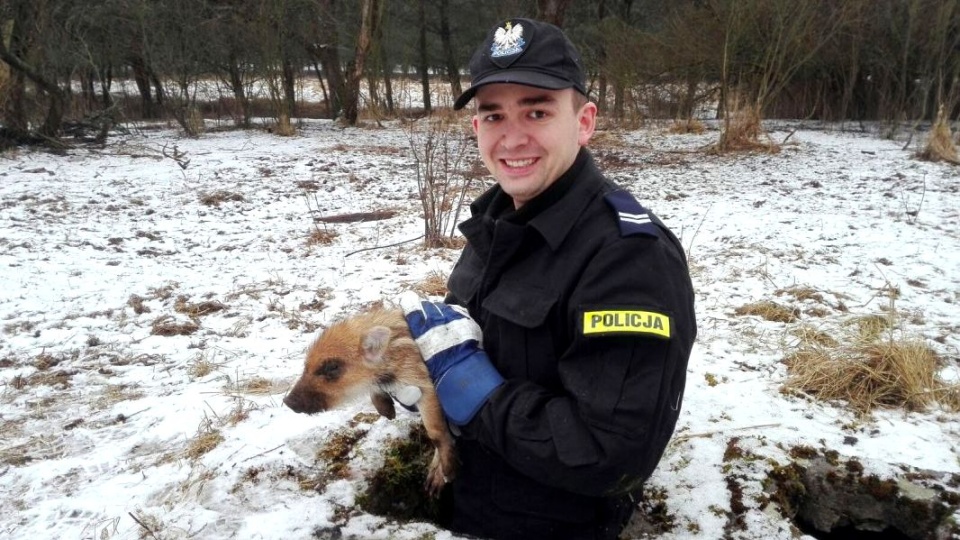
513 76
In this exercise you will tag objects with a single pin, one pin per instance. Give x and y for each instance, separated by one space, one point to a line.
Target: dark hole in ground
397 489
829 498
850 532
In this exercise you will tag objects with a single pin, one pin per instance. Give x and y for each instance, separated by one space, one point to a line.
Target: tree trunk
369 21
602 56
618 100
53 123
689 97
157 87
239 92
552 11
453 70
329 56
290 87
423 62
14 107
15 113
385 68
86 88
139 68
106 81
323 86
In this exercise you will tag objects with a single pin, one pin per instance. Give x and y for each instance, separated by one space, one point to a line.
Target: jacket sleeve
621 387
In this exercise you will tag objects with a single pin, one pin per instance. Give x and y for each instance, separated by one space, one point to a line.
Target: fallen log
357 217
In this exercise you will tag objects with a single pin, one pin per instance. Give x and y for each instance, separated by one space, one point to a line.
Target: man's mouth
518 163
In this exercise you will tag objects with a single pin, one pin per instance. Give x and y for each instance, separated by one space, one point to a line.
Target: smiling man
582 300
530 136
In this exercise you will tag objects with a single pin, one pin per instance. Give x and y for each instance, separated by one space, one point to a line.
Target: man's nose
513 136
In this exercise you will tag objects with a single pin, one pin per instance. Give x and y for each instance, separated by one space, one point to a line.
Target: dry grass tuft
321 237
262 386
137 303
116 393
207 439
940 145
150 525
239 412
869 370
435 284
163 293
770 311
869 328
168 326
201 366
607 138
195 122
319 301
687 126
218 197
334 456
284 127
802 293
809 335
743 131
447 242
182 305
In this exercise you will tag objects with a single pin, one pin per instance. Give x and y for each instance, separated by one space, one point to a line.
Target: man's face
529 136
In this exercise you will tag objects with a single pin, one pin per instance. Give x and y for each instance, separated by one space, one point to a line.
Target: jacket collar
554 212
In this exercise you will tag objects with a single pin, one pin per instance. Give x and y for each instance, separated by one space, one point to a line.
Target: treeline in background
94 64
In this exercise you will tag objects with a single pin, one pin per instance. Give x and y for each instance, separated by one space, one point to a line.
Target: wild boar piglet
372 353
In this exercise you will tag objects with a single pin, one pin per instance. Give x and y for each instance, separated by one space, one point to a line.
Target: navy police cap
528 52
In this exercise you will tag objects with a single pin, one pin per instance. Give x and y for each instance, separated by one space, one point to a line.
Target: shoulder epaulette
633 218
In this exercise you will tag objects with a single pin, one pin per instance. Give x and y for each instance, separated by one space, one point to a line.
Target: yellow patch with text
626 321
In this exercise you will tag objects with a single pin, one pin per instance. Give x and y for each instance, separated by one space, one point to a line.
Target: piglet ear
375 343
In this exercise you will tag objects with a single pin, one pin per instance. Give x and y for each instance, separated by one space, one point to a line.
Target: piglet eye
330 370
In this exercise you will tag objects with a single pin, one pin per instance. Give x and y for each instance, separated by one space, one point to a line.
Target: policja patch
626 321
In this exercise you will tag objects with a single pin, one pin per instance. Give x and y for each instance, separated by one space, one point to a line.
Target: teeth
518 162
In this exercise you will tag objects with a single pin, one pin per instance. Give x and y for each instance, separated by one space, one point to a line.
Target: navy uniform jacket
587 310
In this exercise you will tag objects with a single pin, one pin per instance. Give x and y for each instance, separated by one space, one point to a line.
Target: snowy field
158 295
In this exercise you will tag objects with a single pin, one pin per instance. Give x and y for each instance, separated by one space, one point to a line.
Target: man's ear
375 343
587 119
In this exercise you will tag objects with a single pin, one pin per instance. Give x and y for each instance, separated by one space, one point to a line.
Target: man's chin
517 191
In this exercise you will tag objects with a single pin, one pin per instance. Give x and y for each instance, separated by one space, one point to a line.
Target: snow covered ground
158 295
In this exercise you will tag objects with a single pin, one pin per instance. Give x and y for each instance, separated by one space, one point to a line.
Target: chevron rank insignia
633 218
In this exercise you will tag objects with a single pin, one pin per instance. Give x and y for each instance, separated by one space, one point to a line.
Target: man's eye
491 118
538 115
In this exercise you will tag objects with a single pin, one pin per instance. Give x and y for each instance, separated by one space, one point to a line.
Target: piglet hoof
436 477
435 481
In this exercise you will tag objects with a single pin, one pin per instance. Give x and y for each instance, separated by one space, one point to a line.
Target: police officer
584 302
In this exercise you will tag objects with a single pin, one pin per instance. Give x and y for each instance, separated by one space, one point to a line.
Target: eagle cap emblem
507 41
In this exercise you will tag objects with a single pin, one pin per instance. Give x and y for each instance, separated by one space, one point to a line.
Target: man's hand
450 341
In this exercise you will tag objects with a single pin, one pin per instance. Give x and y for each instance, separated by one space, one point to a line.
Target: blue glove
450 342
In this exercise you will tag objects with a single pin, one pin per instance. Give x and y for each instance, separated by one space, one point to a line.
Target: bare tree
386 67
440 152
423 63
369 22
766 43
232 55
453 69
552 11
325 49
23 28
